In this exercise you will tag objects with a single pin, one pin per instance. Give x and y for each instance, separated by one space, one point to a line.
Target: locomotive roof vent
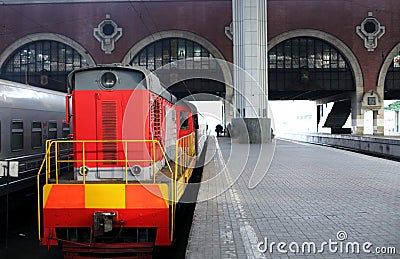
108 80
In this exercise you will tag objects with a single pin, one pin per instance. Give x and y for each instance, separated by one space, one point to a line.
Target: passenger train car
135 148
28 117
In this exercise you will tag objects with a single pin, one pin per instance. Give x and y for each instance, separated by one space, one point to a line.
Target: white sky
212 110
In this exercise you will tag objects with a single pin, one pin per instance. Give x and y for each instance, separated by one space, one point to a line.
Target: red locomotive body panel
105 114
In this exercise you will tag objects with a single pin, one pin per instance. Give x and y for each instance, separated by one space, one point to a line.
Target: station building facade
328 51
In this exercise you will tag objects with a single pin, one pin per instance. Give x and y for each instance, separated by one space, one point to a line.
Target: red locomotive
134 150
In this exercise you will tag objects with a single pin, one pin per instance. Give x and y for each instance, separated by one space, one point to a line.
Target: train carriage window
36 138
52 130
65 130
184 120
17 135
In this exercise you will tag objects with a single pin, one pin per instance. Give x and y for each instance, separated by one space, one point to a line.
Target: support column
250 73
228 112
379 122
380 116
357 114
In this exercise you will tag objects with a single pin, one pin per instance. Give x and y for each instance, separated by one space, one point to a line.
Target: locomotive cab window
184 120
52 130
36 138
17 135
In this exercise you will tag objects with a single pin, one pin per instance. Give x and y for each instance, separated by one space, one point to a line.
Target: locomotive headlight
83 170
108 80
136 170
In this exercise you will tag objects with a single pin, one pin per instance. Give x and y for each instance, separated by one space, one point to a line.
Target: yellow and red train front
69 211
97 212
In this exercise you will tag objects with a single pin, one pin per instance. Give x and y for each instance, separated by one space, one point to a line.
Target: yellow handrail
38 185
126 162
184 154
184 151
55 144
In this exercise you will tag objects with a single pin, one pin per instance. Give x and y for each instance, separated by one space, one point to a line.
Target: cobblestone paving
309 195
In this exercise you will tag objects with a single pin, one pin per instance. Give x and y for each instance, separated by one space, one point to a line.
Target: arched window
42 63
168 50
307 63
392 80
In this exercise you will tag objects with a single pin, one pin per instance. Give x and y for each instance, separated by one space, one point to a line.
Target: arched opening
391 72
308 64
42 63
190 67
392 79
43 60
169 57
307 68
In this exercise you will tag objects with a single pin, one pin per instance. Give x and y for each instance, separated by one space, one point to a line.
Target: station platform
383 146
313 202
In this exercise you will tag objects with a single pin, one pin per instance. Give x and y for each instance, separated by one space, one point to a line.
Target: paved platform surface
312 195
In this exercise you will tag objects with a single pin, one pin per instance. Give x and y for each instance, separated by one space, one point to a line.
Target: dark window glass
307 60
65 130
280 56
169 50
36 138
392 80
181 49
272 58
174 50
305 53
52 134
17 135
184 120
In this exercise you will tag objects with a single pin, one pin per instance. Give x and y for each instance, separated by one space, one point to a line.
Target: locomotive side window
184 120
52 130
17 135
36 138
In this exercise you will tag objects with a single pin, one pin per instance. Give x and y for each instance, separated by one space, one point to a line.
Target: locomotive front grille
109 130
117 235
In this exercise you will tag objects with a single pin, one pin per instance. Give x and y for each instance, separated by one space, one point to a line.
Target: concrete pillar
357 114
379 122
250 56
228 109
